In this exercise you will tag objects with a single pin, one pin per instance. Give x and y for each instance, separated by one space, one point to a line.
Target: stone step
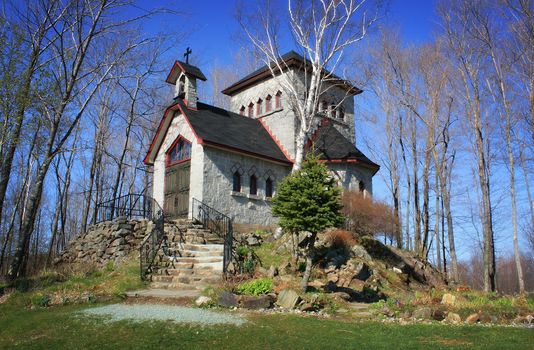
198 259
190 271
177 251
203 247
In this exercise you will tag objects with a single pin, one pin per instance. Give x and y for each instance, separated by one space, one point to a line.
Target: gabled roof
188 69
217 127
291 59
332 146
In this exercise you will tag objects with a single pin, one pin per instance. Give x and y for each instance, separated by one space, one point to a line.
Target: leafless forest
451 122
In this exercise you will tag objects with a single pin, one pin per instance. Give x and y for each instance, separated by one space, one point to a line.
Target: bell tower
184 78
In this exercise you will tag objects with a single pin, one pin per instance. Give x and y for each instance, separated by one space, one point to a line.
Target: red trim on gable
311 139
276 140
173 107
171 72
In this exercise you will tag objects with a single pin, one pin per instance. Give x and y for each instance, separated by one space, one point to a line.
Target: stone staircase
192 258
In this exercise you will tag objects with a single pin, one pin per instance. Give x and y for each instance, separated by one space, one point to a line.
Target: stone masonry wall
106 241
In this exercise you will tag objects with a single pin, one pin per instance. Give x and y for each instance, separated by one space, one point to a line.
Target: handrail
148 249
218 223
131 206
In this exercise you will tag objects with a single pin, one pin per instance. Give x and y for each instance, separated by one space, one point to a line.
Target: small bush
341 239
256 287
367 216
42 300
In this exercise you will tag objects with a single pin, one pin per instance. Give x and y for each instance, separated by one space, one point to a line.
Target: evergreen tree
308 200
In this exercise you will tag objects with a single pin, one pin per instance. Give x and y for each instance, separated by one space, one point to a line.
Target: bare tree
322 30
458 19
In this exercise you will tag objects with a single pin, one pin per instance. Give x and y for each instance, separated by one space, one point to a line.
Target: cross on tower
186 55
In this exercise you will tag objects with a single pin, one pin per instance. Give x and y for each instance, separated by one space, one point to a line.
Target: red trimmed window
180 151
268 103
242 110
278 100
258 107
251 110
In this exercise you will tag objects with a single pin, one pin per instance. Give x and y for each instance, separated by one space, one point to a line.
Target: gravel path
158 312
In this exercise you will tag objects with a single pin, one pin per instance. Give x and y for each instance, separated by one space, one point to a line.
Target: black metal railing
148 250
130 206
218 223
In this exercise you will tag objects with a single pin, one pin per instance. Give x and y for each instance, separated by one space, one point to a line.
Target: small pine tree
308 200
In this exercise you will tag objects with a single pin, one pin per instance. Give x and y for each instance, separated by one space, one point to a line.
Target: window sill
268 199
237 194
254 196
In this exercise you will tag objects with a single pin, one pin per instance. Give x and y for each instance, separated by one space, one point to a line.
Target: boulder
255 302
424 313
472 319
288 298
362 272
359 252
308 307
203 301
253 241
278 233
273 271
448 299
453 318
227 299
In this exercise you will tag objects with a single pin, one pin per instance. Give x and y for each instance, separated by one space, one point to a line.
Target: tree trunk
309 262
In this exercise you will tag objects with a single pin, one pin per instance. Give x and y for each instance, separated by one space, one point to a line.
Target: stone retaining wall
106 241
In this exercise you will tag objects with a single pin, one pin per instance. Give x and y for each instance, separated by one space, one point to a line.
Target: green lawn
61 328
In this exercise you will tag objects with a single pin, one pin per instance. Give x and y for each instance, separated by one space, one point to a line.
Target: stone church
232 160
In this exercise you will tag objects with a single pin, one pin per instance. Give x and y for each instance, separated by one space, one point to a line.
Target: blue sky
212 32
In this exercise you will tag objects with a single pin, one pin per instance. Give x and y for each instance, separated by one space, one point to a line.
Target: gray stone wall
106 242
242 207
349 176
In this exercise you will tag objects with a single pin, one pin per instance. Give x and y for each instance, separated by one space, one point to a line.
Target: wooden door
177 190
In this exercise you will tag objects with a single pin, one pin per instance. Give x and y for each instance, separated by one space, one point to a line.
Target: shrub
42 300
341 239
367 216
256 287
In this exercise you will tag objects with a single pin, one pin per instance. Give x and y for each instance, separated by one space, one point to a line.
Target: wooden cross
186 55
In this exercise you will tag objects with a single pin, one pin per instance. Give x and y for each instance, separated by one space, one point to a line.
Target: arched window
268 103
242 110
179 151
332 112
278 100
251 110
181 85
361 186
236 182
324 106
341 113
253 185
268 188
258 108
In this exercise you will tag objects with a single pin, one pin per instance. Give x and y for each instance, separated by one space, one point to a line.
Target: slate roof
220 127
291 58
332 145
186 68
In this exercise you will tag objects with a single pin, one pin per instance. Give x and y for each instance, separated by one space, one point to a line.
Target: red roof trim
168 80
173 107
